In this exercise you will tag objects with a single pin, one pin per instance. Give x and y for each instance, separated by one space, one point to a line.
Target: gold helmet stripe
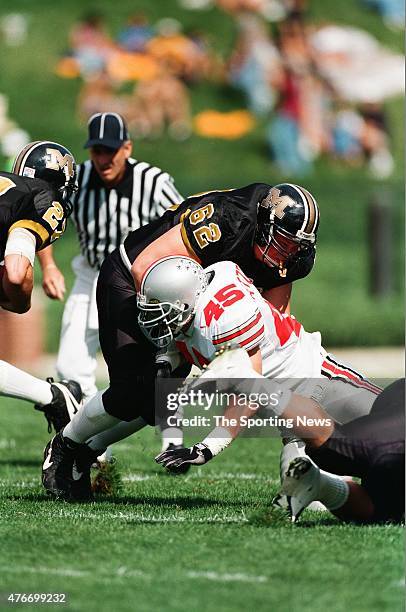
313 212
19 162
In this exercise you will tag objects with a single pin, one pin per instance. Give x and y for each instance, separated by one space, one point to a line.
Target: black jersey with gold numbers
220 226
32 204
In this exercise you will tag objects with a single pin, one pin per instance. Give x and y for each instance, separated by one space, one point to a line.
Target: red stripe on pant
365 384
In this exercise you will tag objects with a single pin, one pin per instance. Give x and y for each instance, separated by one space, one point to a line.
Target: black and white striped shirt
104 216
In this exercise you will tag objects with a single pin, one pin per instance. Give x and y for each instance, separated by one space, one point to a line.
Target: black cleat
57 467
177 471
66 469
85 457
67 398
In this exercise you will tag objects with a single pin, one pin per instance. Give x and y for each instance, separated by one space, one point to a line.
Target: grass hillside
335 297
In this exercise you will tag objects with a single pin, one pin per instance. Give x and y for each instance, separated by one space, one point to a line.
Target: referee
117 194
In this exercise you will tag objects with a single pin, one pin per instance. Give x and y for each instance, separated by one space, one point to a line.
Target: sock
19 384
90 420
333 490
118 432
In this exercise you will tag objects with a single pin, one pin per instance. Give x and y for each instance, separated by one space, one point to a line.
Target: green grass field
203 542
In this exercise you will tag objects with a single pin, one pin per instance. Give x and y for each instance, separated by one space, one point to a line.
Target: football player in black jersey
270 232
34 206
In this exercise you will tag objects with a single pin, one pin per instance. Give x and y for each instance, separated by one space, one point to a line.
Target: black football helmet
52 163
287 223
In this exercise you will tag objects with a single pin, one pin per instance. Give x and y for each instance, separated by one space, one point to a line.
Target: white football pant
79 340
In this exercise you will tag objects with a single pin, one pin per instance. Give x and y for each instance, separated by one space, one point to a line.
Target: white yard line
141 517
226 577
139 477
124 572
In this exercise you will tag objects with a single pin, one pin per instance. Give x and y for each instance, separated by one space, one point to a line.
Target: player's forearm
17 284
46 258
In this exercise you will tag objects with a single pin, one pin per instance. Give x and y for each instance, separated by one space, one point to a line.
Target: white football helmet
167 298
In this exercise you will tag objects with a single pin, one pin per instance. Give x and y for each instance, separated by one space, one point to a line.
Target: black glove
199 454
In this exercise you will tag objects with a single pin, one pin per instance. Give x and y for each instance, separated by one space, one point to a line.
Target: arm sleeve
44 216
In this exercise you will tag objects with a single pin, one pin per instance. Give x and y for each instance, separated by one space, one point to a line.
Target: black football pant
129 356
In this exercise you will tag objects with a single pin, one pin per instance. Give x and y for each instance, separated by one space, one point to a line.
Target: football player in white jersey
224 308
199 312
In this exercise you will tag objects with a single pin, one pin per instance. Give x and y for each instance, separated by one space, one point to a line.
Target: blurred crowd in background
318 90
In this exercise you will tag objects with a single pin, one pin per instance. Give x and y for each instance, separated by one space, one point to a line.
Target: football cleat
300 485
57 468
66 401
292 448
177 471
85 457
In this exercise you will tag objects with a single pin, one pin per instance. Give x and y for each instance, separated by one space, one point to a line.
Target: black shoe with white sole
66 401
66 469
85 457
57 467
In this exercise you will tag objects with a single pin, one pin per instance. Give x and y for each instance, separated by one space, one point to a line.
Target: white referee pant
79 340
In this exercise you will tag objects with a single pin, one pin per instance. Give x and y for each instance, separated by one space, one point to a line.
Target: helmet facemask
283 249
161 322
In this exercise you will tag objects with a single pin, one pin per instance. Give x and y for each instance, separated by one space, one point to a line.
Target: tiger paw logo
56 161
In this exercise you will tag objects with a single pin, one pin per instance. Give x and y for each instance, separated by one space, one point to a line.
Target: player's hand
162 369
53 282
199 454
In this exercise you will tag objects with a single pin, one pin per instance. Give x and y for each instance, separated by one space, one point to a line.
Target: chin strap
282 271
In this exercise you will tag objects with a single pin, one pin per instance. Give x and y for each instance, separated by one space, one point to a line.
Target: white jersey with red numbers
232 311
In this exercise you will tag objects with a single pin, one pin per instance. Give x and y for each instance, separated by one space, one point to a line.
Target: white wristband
21 241
217 440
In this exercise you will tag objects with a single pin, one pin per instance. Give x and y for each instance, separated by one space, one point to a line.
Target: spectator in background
98 94
136 34
255 65
346 134
297 132
90 43
375 141
178 52
159 103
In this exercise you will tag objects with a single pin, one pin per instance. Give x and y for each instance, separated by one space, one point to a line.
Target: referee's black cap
106 129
